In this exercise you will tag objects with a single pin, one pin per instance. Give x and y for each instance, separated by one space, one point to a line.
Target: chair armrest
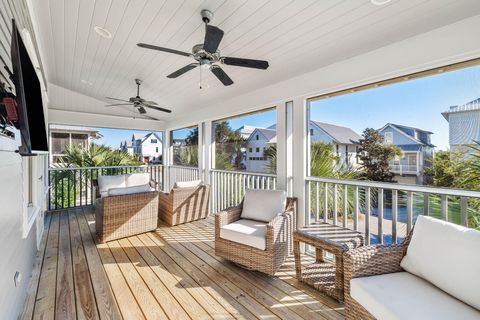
280 228
228 216
372 260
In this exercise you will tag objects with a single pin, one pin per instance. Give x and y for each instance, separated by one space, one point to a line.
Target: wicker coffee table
325 276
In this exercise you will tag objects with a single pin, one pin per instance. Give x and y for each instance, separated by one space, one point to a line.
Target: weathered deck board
171 273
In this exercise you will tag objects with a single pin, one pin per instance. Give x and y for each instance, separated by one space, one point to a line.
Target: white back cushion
129 190
263 205
109 182
448 256
137 179
187 184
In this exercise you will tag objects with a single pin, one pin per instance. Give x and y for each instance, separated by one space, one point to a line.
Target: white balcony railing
179 173
228 187
405 168
385 212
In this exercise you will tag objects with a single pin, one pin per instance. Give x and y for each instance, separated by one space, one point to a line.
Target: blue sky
416 103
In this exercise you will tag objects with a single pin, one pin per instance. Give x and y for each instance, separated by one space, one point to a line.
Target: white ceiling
294 36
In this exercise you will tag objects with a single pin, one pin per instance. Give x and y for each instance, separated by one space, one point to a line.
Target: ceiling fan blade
158 108
117 99
221 75
141 110
213 36
150 46
118 104
181 71
151 103
247 63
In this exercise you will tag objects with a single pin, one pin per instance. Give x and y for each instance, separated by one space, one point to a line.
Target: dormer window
256 137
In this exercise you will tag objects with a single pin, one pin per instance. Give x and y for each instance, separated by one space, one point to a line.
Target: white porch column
281 146
201 151
208 150
167 159
300 157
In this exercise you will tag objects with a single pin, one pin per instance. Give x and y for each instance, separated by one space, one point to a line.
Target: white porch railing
385 212
228 187
179 173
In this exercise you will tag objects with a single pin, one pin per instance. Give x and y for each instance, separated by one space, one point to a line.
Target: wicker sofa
186 202
264 249
433 274
125 205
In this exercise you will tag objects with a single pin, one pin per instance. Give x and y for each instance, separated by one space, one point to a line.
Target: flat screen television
28 94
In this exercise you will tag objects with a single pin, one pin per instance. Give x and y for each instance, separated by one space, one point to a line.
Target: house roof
92 132
405 130
269 134
473 105
339 134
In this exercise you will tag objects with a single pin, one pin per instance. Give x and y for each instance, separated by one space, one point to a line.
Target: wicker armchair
125 215
278 240
370 261
183 205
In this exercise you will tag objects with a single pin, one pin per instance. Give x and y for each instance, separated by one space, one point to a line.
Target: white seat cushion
108 182
137 179
263 205
248 232
104 194
187 184
129 190
402 295
448 256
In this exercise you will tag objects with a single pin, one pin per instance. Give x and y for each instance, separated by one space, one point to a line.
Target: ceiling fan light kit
207 55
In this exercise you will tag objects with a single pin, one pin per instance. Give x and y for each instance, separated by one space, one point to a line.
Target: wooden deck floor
172 273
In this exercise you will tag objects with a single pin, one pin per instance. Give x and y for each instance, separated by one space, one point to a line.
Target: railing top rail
399 186
183 167
103 167
246 173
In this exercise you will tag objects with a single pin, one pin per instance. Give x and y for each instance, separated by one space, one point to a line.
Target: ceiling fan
207 54
139 103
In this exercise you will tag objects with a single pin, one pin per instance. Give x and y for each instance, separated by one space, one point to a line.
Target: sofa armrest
280 228
96 189
372 260
153 184
228 216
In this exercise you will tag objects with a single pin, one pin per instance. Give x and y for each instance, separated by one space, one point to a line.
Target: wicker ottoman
325 276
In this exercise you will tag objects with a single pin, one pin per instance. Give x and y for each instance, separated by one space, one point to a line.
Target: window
153 141
156 149
311 132
60 142
185 146
388 138
238 145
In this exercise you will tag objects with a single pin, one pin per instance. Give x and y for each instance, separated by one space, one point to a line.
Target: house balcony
401 169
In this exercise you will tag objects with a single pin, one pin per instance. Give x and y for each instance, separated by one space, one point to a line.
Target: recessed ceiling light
86 82
102 32
380 2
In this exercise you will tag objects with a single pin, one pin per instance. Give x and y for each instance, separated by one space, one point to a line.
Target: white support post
281 146
167 159
300 160
201 152
209 150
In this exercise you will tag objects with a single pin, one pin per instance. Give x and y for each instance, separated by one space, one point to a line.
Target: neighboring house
62 136
464 125
343 140
257 142
148 147
246 131
417 151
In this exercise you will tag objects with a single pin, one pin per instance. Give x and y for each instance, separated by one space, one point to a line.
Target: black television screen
28 97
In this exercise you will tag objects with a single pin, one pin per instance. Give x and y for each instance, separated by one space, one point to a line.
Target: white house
148 147
463 125
342 139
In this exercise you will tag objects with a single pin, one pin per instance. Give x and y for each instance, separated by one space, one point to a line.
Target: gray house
417 151
463 125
